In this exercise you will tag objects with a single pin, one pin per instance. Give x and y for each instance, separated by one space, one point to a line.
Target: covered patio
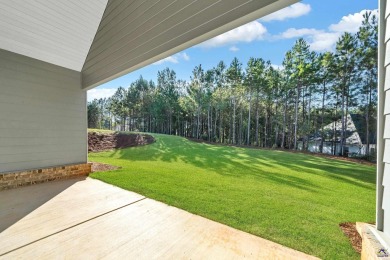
51 53
91 219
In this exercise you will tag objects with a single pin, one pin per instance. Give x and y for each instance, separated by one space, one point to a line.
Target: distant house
355 138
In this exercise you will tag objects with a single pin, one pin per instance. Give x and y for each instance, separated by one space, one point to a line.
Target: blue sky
319 22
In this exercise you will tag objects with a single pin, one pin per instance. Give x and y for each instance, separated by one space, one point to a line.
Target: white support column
381 117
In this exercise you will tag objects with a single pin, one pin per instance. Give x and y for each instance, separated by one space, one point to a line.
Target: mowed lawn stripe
294 199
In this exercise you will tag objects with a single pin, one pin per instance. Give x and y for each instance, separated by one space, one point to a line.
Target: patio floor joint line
75 225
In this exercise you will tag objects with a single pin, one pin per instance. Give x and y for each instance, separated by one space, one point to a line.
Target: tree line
256 104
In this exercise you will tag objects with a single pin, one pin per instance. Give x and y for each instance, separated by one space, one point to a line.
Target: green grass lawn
99 130
296 200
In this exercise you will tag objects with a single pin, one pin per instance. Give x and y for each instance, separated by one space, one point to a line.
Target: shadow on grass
255 163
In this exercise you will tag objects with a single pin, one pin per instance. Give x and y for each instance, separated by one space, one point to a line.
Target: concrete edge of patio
86 217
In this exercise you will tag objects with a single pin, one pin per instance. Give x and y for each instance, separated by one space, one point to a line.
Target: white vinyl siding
383 185
133 34
42 114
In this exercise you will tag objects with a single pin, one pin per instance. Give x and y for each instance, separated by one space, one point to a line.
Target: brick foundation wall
10 180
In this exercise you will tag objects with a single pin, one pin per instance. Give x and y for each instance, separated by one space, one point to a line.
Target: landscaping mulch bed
102 167
291 151
349 229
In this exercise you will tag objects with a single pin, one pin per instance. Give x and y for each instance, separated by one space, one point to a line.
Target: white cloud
234 48
100 93
277 67
350 23
184 56
318 40
171 59
174 58
296 33
325 40
246 33
293 11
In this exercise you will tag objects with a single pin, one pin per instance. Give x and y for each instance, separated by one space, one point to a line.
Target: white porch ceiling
57 32
104 39
133 34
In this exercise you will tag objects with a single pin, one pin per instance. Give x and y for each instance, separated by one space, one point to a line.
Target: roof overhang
105 39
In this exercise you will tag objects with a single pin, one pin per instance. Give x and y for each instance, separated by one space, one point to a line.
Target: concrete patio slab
86 218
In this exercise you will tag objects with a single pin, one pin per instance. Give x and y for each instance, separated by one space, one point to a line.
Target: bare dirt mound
100 141
102 167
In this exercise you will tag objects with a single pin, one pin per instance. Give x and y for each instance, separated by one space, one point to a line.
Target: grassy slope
293 199
100 130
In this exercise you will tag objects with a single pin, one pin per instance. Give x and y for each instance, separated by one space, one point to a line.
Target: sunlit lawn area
293 199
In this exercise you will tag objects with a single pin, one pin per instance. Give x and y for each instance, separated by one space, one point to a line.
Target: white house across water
355 140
